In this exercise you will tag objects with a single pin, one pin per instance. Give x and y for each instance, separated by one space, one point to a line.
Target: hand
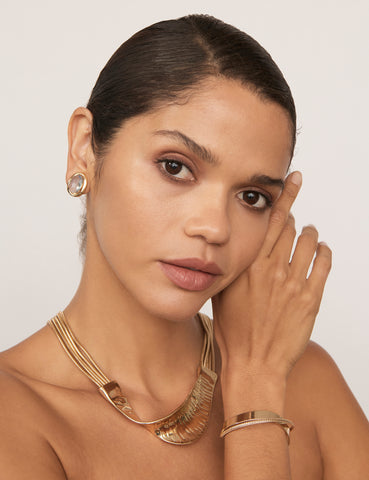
264 319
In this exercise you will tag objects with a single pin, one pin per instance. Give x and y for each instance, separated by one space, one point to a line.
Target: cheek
118 219
130 213
247 241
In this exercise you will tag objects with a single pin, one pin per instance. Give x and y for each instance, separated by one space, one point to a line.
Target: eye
255 199
175 169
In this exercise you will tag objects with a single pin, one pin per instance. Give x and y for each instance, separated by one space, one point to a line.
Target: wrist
257 391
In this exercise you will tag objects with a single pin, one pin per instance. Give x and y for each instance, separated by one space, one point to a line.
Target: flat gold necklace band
186 423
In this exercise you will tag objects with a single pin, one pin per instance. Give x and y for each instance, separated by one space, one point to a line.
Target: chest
96 441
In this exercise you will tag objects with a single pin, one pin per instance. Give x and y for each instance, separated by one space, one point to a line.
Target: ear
80 154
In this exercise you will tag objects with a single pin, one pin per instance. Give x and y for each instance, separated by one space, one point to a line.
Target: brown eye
251 198
254 199
175 169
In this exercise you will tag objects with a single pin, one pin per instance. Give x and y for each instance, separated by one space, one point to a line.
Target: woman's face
189 181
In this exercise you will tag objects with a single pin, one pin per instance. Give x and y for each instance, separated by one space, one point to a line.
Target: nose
209 218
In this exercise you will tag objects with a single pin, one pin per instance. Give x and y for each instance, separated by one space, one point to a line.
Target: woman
183 153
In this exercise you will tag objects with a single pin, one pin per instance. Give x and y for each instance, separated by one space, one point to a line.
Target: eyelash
172 177
162 169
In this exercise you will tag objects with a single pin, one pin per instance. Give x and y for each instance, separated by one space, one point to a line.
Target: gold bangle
256 417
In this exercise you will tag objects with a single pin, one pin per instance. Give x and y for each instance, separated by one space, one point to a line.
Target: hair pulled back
163 62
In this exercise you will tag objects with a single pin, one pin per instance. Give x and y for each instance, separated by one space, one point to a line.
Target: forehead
229 120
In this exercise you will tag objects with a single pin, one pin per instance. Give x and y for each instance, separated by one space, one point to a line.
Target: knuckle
326 262
279 275
308 299
257 268
278 216
291 190
325 254
293 287
290 223
291 228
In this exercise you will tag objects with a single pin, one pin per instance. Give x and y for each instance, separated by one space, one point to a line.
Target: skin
140 327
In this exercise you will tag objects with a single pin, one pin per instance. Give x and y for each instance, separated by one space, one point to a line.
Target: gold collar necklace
182 426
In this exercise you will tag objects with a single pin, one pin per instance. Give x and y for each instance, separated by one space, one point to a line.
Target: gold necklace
182 426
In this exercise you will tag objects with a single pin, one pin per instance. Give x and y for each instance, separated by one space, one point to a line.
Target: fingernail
296 178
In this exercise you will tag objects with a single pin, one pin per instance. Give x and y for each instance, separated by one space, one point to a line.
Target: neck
146 354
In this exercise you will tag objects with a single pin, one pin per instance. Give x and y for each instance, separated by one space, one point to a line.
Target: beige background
51 53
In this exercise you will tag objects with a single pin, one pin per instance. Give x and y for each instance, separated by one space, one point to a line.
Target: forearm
262 324
255 451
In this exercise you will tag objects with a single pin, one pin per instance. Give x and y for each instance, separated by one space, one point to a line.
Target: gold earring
77 184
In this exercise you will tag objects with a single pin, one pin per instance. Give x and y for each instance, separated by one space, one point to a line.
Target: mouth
191 274
196 264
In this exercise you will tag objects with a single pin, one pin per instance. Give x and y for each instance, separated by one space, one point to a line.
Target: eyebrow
208 157
268 181
199 150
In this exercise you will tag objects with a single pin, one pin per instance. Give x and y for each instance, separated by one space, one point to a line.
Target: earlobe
81 158
77 184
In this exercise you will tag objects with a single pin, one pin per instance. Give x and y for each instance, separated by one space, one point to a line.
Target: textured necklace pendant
184 425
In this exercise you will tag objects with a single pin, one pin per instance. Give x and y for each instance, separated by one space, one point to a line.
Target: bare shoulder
313 366
317 372
318 393
25 449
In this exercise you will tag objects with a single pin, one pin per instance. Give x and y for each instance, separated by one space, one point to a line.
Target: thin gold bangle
256 417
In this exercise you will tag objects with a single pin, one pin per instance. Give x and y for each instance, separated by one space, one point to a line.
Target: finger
280 212
321 268
305 250
282 249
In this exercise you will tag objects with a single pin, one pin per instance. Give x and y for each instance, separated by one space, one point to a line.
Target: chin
176 308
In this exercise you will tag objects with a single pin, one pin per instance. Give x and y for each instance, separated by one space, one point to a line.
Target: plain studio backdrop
51 54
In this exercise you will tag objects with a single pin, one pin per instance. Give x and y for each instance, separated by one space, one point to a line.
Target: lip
197 264
180 273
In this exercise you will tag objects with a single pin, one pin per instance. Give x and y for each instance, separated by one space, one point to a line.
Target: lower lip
186 278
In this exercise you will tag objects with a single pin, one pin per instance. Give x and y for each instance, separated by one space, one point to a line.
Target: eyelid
162 160
267 197
178 156
168 157
253 188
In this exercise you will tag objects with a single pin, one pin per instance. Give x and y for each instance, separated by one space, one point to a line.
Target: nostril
211 229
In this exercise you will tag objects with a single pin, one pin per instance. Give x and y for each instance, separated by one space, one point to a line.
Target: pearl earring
77 184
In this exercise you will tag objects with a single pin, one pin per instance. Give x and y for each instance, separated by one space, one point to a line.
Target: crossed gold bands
254 418
182 426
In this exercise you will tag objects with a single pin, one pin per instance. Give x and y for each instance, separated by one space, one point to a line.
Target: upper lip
196 264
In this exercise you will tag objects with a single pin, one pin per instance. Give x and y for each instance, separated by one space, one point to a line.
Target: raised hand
264 319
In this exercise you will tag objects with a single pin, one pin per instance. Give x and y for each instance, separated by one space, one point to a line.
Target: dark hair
165 61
